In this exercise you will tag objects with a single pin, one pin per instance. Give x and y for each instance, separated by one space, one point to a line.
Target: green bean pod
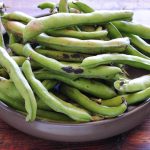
113 31
138 42
102 72
12 92
62 56
18 59
61 20
45 5
76 34
8 87
134 85
20 82
83 7
133 28
68 69
12 39
51 100
130 50
18 105
130 60
63 6
92 87
41 114
17 48
131 99
83 46
75 45
90 105
18 16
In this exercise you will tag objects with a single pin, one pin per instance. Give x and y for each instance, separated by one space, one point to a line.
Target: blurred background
140 7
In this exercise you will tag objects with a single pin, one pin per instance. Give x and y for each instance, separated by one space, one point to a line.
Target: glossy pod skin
22 17
76 34
8 85
45 5
83 46
103 72
51 100
66 19
90 105
58 55
20 82
69 70
18 16
62 56
114 33
63 6
92 87
130 50
133 28
138 42
12 92
71 44
18 59
130 60
131 99
83 7
134 85
41 114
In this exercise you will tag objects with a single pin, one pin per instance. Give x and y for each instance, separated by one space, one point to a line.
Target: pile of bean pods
70 65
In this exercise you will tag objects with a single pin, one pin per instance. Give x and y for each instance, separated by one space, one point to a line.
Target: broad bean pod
18 16
138 42
133 28
131 99
90 105
61 20
51 100
20 82
130 50
12 92
113 33
41 114
92 87
63 56
8 87
133 85
18 59
103 59
68 69
45 5
76 34
83 7
63 6
72 44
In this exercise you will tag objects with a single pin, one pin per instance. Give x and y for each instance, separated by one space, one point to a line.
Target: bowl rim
100 122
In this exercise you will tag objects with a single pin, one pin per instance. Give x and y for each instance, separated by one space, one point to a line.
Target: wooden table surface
137 139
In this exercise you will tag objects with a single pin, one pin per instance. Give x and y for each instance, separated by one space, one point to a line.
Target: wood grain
137 139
